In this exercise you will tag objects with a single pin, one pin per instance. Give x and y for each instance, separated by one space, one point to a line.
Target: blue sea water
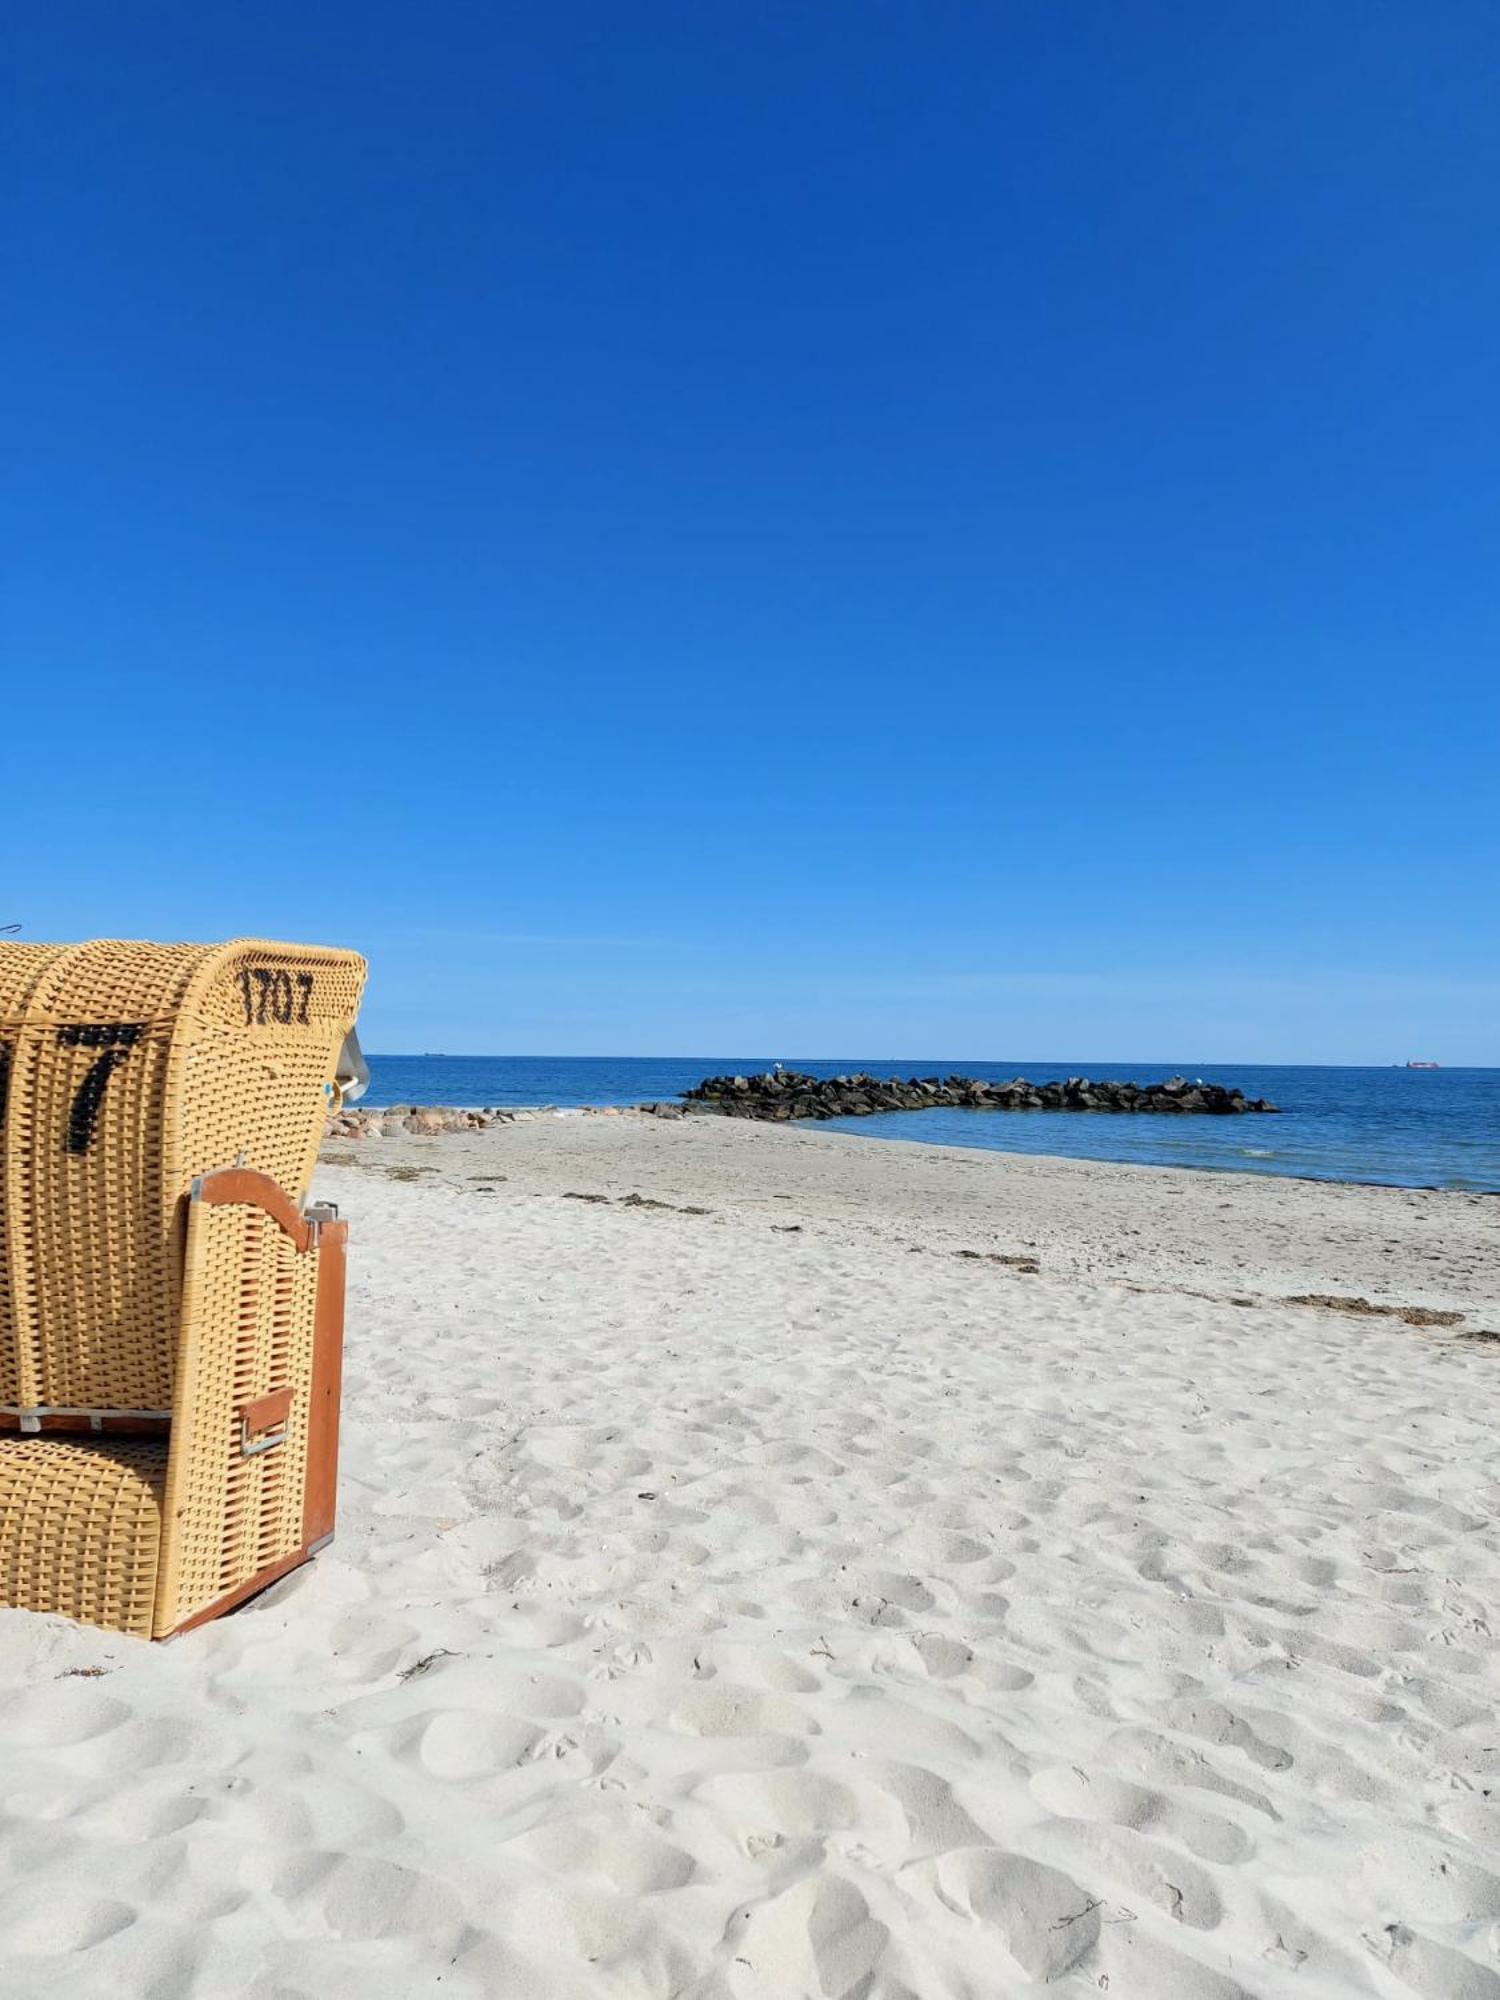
1407 1128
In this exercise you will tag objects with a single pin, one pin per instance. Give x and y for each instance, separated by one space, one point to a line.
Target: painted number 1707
273 995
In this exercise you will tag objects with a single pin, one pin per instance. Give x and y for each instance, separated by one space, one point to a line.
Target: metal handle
266 1441
263 1423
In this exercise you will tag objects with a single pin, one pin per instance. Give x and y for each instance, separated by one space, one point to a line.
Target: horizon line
1114 1062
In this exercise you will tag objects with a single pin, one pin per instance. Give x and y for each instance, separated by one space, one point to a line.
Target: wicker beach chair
171 1317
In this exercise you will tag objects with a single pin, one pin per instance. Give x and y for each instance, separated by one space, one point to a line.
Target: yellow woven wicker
128 1070
21 967
80 1529
236 1514
134 1067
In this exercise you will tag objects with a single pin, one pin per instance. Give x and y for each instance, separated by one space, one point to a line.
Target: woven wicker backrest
131 1068
21 967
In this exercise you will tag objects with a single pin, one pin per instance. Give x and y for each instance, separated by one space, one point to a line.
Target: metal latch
263 1423
316 1214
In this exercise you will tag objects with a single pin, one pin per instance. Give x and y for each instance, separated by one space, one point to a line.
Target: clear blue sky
825 529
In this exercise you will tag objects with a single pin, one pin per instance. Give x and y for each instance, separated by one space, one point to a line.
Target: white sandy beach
755 1579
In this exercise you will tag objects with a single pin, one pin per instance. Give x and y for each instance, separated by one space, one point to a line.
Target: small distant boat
1424 1065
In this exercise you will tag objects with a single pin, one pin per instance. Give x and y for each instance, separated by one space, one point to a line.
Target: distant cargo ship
1423 1065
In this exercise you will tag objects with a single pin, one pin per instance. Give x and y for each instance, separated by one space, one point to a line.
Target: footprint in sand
1072 1793
360 1896
635 1860
1196 1716
883 1586
938 1657
145 1815
1417 1879
766 1667
934 1821
457 1745
328 1813
721 1709
782 1803
817 1937
52 1718
145 1743
1134 1868
1433 1970
1047 1922
36 1924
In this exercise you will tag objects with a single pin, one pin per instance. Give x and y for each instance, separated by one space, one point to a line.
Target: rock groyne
784 1095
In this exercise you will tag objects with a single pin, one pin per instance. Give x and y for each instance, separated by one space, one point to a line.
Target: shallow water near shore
1404 1128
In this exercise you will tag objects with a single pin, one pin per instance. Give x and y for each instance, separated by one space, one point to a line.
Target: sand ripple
726 1611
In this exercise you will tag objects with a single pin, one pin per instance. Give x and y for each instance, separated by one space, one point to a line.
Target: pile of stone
384 1121
784 1095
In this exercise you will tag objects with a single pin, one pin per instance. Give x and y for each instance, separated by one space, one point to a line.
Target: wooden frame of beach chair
170 1324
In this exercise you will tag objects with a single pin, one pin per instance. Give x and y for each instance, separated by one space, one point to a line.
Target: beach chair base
80 1529
272 1573
153 1522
